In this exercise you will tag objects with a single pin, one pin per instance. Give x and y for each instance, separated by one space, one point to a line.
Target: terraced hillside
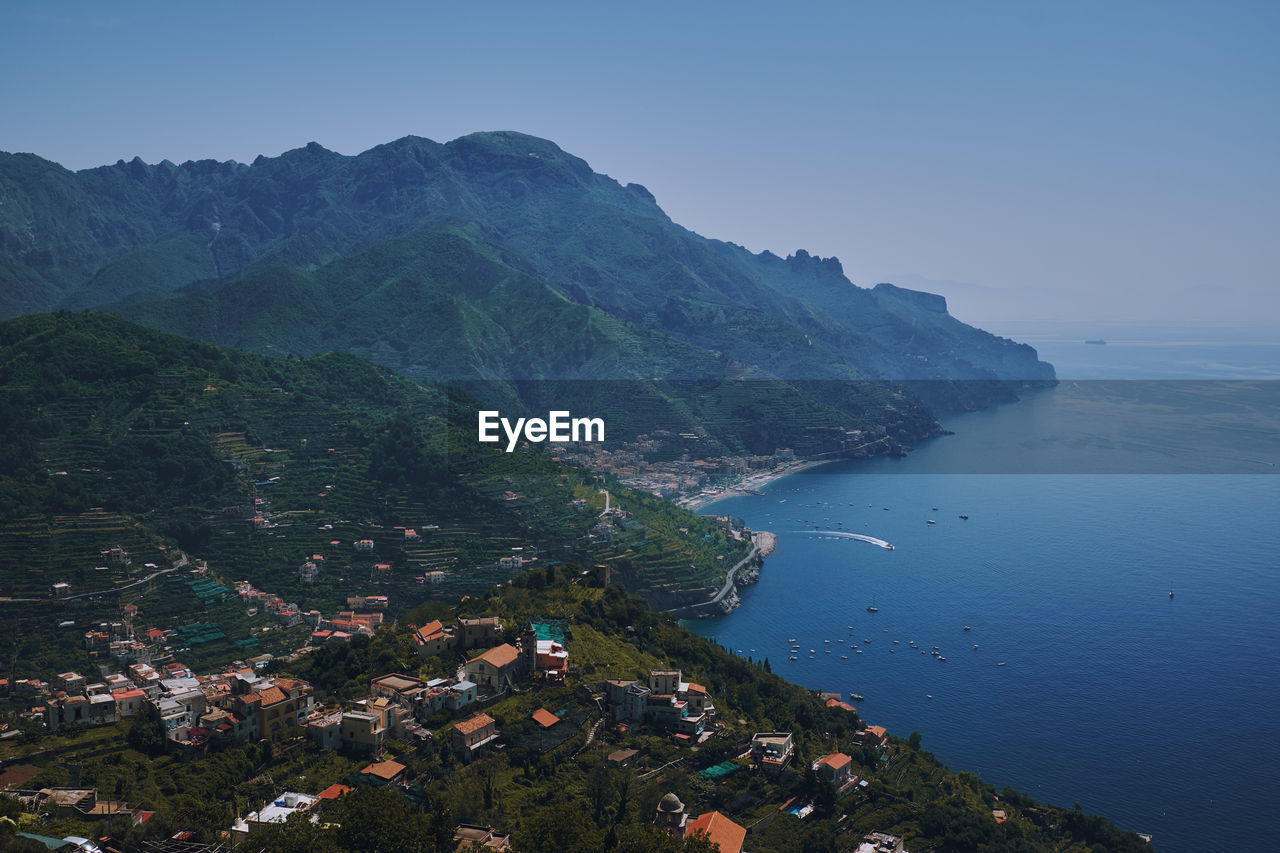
129 455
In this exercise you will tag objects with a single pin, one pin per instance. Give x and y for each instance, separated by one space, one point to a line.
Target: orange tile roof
835 760
431 630
878 731
836 703
272 695
719 830
696 688
545 718
384 769
479 721
498 656
334 791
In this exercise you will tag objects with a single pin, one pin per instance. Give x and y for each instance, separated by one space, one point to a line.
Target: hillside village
402 715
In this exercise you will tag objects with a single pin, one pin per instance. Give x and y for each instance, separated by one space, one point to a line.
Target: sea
1109 610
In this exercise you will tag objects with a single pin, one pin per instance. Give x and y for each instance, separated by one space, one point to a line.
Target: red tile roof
334 791
498 656
835 760
545 718
387 770
719 830
479 721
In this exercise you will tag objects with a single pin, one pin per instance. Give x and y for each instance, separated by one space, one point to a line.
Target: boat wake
840 534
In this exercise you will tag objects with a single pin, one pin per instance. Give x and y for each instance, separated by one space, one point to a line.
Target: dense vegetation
117 435
551 790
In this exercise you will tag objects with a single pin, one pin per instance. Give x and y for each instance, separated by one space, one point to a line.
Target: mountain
494 256
117 436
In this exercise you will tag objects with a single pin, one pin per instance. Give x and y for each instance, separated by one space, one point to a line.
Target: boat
964 518
844 657
1000 664
975 647
857 697
928 695
873 609
1096 342
931 521
941 658
793 657
967 628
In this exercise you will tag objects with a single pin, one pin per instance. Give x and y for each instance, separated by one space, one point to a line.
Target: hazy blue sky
1083 160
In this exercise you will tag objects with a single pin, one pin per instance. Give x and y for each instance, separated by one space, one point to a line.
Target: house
61 590
841 704
72 682
460 695
433 639
479 632
363 732
384 773
405 690
719 830
470 736
836 770
544 718
277 812
331 794
363 545
772 750
881 842
471 837
622 757
496 668
872 736
411 535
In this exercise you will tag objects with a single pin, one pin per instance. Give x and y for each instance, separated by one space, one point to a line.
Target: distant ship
1098 341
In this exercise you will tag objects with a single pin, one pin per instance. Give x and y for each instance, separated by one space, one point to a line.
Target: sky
1087 161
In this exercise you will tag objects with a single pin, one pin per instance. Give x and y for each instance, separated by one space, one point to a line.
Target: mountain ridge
132 233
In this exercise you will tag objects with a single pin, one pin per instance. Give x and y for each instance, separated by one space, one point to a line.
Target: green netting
553 630
719 771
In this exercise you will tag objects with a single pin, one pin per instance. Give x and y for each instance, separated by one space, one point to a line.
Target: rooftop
475 723
719 830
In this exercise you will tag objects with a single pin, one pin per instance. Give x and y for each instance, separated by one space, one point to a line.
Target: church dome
670 803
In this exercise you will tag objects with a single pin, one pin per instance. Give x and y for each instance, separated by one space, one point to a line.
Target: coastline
749 484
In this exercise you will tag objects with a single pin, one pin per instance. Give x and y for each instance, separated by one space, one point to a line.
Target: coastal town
655 723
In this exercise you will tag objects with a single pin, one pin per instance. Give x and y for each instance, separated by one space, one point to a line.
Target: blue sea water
1161 713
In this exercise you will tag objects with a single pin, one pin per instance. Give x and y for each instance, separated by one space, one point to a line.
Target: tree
147 733
913 741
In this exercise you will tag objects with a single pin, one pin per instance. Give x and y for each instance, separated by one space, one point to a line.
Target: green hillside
117 436
454 261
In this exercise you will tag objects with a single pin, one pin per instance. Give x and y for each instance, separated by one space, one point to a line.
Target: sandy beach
746 485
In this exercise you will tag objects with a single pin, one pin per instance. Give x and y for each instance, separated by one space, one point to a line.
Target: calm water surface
1159 712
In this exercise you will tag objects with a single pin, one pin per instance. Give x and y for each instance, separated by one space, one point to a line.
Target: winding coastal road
728 579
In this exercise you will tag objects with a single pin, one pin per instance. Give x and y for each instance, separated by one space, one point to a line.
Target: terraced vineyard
116 436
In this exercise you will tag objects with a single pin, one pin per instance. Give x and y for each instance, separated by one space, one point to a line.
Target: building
772 751
478 633
872 736
433 639
836 770
881 842
719 830
472 735
384 773
544 718
363 732
277 812
670 817
471 837
495 669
